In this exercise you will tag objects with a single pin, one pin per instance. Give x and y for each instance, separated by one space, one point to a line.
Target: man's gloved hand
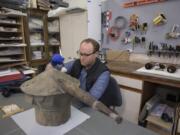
57 62
57 59
116 117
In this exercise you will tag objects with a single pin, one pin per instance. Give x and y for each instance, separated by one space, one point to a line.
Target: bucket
52 110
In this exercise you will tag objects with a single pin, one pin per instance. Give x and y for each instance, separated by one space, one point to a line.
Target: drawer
129 82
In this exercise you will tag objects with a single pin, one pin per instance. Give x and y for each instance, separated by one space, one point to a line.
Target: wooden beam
140 2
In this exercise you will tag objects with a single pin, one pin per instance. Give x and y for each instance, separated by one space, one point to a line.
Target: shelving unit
54 43
37 37
159 122
12 41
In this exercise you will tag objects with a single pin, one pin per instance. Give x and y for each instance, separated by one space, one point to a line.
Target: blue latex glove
57 59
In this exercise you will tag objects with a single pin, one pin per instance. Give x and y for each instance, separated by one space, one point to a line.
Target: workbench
137 87
97 124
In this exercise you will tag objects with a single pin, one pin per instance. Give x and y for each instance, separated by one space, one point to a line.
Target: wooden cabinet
12 41
131 91
37 37
136 93
54 41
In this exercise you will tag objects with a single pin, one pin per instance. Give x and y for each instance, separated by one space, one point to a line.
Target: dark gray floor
7 125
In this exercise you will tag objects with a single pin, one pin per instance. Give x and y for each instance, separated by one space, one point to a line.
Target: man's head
88 52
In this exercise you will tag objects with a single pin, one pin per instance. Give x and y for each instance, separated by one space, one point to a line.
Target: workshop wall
146 13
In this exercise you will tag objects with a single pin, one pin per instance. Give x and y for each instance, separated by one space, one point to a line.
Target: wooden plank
140 2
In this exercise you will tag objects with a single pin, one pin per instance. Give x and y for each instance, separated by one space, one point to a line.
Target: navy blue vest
111 96
92 74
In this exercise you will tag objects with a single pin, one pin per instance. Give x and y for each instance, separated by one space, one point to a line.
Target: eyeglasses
85 54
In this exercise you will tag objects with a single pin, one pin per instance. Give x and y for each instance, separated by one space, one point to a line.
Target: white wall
76 27
94 19
75 3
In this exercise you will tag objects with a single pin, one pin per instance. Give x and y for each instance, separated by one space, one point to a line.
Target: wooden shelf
140 2
8 65
10 40
158 121
37 52
36 30
54 32
54 44
10 15
53 18
16 45
10 24
11 37
12 54
54 35
38 45
10 32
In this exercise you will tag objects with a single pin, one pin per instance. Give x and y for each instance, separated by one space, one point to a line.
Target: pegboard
146 13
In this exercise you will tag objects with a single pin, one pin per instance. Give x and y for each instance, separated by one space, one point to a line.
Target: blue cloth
99 86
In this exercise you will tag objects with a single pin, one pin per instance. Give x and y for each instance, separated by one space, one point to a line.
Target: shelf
37 62
12 65
54 42
10 60
53 18
10 32
12 40
12 45
10 24
158 121
36 30
53 32
157 129
12 54
37 45
10 15
54 45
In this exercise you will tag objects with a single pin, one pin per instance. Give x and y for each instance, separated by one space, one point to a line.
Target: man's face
87 54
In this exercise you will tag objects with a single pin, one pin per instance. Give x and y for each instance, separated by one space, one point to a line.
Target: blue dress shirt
98 87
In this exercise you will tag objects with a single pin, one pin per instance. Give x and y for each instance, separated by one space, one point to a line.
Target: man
92 73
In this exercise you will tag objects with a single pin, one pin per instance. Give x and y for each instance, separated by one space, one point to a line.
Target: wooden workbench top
129 69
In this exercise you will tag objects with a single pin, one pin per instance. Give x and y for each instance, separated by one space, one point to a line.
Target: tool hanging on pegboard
114 32
133 22
106 17
140 2
175 32
160 19
136 26
126 39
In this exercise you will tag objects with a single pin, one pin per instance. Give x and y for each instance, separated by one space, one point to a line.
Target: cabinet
136 92
12 40
160 117
37 37
73 31
131 91
54 39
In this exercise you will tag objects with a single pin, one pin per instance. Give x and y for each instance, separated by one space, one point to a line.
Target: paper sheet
158 72
26 121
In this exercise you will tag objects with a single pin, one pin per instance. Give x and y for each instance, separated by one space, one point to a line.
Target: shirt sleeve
100 85
68 66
